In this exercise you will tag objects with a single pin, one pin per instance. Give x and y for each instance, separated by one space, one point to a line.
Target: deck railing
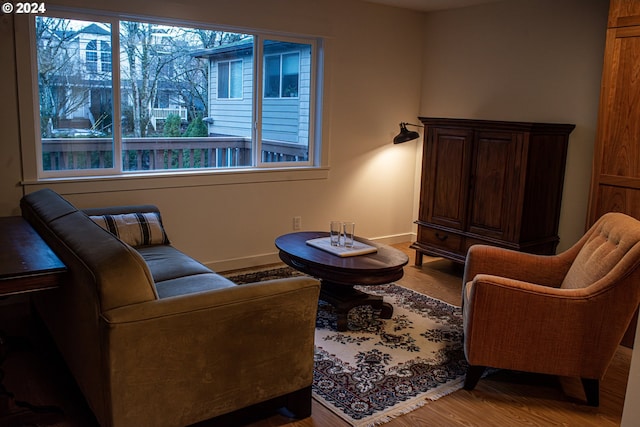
141 154
162 114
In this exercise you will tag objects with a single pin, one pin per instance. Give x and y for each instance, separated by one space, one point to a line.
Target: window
92 56
105 57
230 79
183 97
282 75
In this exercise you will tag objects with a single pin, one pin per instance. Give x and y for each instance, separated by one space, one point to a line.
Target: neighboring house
77 82
76 86
286 84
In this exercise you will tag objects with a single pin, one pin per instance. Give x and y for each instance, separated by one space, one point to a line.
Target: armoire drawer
440 238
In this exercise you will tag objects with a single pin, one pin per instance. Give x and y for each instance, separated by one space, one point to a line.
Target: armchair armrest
507 321
548 270
210 353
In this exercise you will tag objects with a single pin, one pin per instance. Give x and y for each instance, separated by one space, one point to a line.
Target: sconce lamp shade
406 134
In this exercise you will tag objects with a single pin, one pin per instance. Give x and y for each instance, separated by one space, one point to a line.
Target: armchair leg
473 376
591 391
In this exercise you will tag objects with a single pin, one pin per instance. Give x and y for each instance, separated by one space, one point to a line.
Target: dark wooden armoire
490 182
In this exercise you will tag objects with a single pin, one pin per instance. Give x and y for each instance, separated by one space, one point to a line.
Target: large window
182 97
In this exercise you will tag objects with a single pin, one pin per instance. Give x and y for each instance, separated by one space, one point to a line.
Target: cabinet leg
418 259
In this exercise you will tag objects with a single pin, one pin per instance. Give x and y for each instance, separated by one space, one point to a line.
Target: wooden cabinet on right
615 181
491 182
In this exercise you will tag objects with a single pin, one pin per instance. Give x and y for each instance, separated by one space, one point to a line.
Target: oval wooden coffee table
339 275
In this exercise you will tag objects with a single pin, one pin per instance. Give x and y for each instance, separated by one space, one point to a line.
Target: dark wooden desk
339 275
27 264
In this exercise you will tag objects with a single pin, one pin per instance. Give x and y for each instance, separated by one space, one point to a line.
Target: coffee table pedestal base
344 298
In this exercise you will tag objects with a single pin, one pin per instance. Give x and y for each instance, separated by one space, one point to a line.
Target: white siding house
285 94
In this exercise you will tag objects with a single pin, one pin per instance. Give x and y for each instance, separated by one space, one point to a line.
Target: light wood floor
502 399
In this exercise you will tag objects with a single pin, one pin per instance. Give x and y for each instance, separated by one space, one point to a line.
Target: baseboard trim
244 262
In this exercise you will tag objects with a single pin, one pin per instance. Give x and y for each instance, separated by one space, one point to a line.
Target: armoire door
446 177
495 195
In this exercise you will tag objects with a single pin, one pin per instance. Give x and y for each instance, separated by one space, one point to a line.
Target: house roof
234 48
94 29
242 47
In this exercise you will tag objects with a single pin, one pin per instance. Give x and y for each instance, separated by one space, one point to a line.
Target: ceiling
431 5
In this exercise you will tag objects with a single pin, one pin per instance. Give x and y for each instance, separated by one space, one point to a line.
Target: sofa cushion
135 229
192 284
175 273
166 262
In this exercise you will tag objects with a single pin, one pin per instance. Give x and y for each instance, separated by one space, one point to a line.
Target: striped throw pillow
135 229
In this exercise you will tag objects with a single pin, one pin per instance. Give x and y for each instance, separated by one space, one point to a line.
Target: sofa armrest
197 356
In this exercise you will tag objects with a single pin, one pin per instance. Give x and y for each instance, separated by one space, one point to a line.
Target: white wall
370 180
523 60
536 60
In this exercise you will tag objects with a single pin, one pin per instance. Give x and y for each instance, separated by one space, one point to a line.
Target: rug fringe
393 415
443 391
407 407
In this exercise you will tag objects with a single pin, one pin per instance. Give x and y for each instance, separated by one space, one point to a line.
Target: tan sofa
154 338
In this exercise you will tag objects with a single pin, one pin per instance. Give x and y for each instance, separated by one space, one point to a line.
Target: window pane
236 79
168 66
223 80
105 56
286 111
290 70
92 56
74 101
272 76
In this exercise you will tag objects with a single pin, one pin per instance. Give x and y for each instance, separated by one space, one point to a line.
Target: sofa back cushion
117 273
610 239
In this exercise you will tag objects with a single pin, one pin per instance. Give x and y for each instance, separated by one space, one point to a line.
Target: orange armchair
560 315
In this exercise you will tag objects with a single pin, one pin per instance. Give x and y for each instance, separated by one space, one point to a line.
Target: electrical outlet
297 223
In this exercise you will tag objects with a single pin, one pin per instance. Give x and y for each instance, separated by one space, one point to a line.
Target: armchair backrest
611 248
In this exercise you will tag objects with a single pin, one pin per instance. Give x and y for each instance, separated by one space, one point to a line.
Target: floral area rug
380 369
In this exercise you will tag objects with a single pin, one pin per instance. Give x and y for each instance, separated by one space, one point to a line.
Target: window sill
147 181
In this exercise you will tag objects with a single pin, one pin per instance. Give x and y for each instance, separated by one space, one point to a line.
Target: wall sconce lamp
406 134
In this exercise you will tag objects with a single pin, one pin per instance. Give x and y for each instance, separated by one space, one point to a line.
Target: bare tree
146 60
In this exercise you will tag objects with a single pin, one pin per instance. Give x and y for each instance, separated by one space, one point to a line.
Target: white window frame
32 160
